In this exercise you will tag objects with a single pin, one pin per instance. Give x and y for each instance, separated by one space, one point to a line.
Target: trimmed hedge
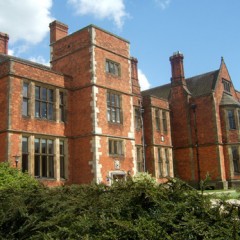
134 209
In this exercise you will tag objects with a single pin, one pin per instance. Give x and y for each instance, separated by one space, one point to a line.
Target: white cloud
163 3
25 20
40 59
113 10
143 81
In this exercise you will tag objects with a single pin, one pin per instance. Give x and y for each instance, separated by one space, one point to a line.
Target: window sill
45 178
26 117
44 119
120 157
115 123
113 75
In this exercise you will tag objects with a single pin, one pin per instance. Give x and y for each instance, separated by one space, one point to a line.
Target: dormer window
226 85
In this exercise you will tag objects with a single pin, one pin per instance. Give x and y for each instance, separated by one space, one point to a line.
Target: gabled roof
199 85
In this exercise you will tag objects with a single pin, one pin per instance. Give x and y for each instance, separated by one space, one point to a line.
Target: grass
228 194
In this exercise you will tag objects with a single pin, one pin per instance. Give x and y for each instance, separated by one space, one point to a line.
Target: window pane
160 163
113 115
62 167
107 66
25 107
25 145
116 72
44 145
44 94
164 119
37 145
51 167
24 162
44 166
50 111
25 90
157 113
117 101
108 99
167 162
119 150
231 119
62 114
50 95
112 99
37 92
50 147
37 109
61 148
37 165
44 110
118 120
111 67
235 157
115 151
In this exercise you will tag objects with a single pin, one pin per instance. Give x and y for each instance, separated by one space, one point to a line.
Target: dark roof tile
199 85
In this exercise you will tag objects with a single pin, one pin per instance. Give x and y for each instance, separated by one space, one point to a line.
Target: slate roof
198 85
228 100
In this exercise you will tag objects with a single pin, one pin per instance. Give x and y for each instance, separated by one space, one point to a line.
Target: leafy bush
14 178
134 209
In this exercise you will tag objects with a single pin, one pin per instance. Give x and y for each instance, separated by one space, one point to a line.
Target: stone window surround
56 102
164 122
111 142
117 109
139 158
137 118
236 115
230 154
164 159
56 155
226 85
115 70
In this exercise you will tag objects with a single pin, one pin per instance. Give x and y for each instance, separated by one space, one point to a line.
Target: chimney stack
58 30
4 43
177 69
134 63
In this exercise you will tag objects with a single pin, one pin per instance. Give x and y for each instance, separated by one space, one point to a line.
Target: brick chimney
134 76
134 68
58 30
4 43
177 69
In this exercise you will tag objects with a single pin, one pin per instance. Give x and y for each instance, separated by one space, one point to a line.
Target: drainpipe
193 107
143 139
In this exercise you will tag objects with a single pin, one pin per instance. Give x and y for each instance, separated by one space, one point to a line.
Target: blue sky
204 31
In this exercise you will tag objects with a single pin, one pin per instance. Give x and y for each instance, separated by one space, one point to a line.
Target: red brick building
85 119
205 122
79 120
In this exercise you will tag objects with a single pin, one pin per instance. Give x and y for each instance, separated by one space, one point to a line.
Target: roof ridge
199 75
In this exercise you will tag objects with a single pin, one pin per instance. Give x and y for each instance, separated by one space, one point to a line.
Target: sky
203 31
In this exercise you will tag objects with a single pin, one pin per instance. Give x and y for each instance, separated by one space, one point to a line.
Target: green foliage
135 209
14 178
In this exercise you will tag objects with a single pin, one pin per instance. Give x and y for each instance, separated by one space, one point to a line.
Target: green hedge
134 209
